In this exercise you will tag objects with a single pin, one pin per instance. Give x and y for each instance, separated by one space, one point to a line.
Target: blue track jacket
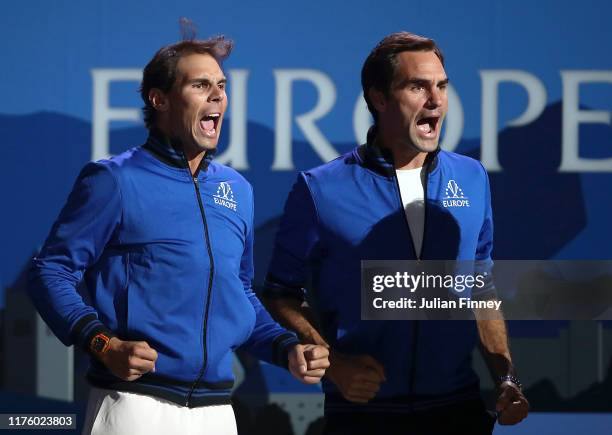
350 210
167 258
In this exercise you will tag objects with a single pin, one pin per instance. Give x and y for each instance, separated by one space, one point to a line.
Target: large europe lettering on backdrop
236 152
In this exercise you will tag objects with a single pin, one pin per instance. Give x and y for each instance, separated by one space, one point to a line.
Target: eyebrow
419 81
422 82
206 80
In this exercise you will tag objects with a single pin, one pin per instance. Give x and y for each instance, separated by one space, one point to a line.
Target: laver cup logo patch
454 196
225 196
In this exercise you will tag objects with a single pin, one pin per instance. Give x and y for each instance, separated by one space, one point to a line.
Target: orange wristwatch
100 343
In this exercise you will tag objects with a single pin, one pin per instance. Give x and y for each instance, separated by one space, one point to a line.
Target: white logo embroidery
225 196
454 196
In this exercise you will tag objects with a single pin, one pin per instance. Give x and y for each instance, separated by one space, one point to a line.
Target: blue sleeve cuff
86 329
281 347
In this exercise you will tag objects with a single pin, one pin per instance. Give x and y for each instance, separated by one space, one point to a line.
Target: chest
183 217
368 217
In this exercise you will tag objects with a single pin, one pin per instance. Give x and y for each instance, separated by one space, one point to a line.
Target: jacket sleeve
268 341
76 241
296 243
483 260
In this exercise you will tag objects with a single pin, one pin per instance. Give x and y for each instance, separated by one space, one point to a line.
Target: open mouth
428 126
209 124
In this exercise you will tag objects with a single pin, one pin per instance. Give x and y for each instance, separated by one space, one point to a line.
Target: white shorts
111 412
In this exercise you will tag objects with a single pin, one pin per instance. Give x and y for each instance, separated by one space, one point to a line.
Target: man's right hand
358 377
129 360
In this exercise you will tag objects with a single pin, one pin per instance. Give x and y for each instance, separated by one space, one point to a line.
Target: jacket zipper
210 280
415 334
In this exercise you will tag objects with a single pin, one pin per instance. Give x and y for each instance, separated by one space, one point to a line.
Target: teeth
211 116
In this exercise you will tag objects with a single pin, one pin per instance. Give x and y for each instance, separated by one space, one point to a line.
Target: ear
378 99
158 100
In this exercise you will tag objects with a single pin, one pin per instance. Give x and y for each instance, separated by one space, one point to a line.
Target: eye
222 86
200 85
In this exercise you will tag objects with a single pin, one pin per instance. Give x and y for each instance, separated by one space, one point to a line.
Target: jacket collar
163 150
380 160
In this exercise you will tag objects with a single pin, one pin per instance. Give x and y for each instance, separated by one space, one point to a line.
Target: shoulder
119 163
114 169
341 165
461 162
96 185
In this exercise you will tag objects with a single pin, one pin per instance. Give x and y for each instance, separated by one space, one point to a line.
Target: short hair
379 68
161 71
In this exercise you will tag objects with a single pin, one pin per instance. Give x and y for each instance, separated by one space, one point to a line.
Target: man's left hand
307 362
512 407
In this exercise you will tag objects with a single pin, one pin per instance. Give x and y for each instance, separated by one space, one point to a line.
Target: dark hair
379 68
161 71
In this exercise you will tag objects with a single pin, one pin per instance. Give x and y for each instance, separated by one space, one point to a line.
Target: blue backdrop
531 96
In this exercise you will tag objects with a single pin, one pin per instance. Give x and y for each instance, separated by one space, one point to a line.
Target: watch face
98 344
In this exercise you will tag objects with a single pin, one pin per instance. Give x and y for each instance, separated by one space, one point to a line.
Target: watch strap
512 379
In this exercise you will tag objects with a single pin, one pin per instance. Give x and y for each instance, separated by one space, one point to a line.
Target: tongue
207 124
424 126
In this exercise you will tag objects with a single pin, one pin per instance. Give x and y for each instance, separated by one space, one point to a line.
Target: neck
193 155
405 155
194 160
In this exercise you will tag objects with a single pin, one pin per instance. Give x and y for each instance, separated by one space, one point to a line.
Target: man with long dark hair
163 237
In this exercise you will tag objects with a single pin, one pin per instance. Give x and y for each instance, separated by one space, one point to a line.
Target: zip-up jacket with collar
350 210
167 258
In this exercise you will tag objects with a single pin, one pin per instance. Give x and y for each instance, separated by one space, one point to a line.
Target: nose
435 98
216 95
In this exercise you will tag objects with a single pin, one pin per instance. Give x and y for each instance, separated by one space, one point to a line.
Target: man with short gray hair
384 200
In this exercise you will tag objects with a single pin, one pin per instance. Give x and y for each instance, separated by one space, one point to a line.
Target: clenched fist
512 406
358 377
307 362
129 360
